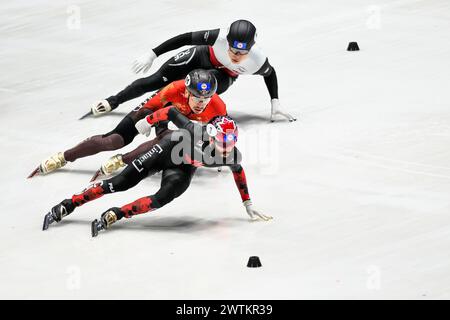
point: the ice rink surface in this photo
(359, 187)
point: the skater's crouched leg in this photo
(147, 146)
(127, 179)
(125, 129)
(138, 88)
(94, 145)
(120, 136)
(175, 182)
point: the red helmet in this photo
(224, 131)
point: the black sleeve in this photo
(270, 78)
(266, 69)
(272, 84)
(206, 37)
(182, 122)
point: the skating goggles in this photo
(225, 142)
(220, 137)
(239, 52)
(227, 138)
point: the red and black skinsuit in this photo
(125, 132)
(177, 166)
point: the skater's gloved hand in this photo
(144, 127)
(144, 62)
(101, 108)
(255, 215)
(277, 111)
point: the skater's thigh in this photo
(156, 156)
(126, 129)
(177, 179)
(126, 179)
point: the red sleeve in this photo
(241, 181)
(159, 115)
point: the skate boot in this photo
(101, 107)
(113, 164)
(52, 163)
(58, 212)
(106, 220)
(109, 167)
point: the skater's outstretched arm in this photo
(271, 81)
(270, 78)
(241, 183)
(205, 37)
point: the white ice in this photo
(359, 190)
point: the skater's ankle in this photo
(69, 205)
(119, 214)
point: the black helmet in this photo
(201, 83)
(241, 35)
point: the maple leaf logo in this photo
(227, 125)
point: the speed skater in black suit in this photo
(177, 154)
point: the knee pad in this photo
(125, 129)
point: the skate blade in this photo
(32, 174)
(94, 230)
(47, 221)
(97, 174)
(86, 115)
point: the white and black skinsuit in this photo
(209, 52)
